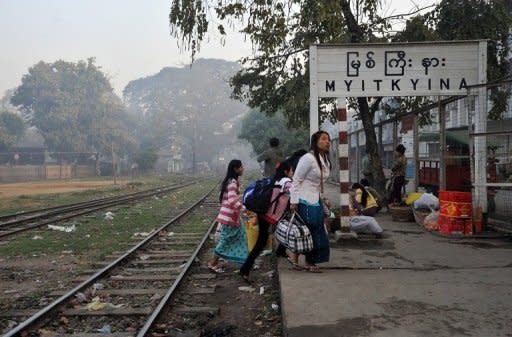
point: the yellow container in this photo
(251, 227)
(412, 197)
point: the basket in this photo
(401, 213)
(420, 215)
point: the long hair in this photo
(293, 160)
(364, 196)
(400, 149)
(316, 151)
(230, 174)
(365, 182)
(281, 169)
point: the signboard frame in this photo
(477, 76)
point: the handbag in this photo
(294, 234)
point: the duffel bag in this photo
(294, 235)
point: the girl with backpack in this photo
(232, 245)
(278, 205)
(311, 173)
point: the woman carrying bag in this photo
(280, 198)
(306, 197)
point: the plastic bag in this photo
(412, 197)
(252, 230)
(430, 221)
(427, 200)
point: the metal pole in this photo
(194, 147)
(442, 145)
(313, 91)
(395, 134)
(480, 143)
(358, 145)
(416, 149)
(113, 165)
(381, 143)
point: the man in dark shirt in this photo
(398, 172)
(271, 157)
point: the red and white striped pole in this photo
(343, 161)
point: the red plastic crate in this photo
(460, 196)
(444, 196)
(468, 228)
(451, 225)
(444, 228)
(455, 209)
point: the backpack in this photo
(258, 195)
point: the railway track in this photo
(130, 292)
(17, 223)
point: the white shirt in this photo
(306, 179)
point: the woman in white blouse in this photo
(311, 173)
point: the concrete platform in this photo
(410, 283)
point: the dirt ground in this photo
(19, 277)
(246, 310)
(47, 187)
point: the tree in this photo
(276, 77)
(12, 128)
(74, 107)
(481, 19)
(257, 129)
(187, 110)
(470, 20)
(146, 157)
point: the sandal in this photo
(312, 268)
(295, 265)
(215, 269)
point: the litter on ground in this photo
(67, 229)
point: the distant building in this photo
(29, 150)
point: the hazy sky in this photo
(130, 39)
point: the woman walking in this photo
(232, 245)
(279, 204)
(312, 171)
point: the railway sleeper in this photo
(126, 278)
(82, 334)
(119, 292)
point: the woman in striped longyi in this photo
(232, 245)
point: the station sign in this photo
(396, 69)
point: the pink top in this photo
(276, 210)
(229, 213)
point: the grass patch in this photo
(30, 202)
(95, 237)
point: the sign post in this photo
(395, 69)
